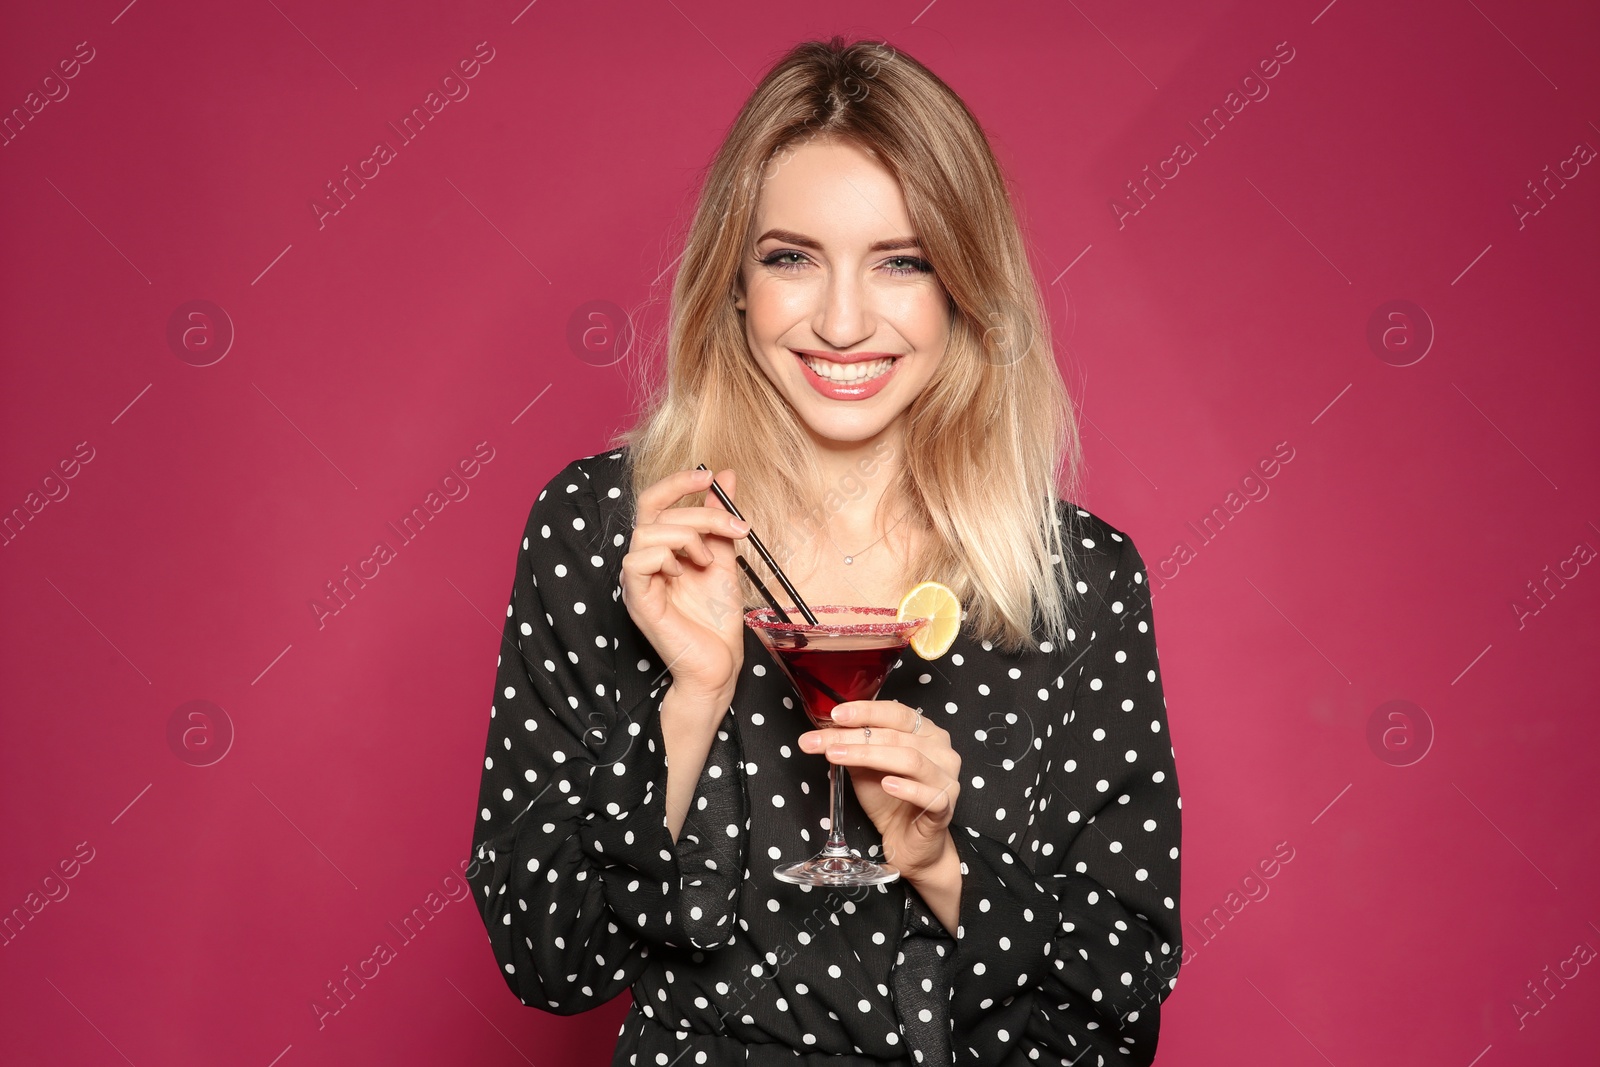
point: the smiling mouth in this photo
(847, 373)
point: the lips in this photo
(846, 390)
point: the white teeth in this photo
(847, 373)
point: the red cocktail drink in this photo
(845, 657)
(823, 674)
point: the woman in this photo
(857, 341)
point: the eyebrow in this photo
(790, 237)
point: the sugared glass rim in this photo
(767, 619)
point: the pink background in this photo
(432, 313)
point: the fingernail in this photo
(741, 526)
(810, 741)
(842, 714)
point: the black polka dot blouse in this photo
(1067, 828)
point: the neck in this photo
(856, 475)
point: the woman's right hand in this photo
(688, 606)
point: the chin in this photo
(848, 430)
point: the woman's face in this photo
(832, 273)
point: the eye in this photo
(914, 265)
(775, 259)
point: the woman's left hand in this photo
(907, 783)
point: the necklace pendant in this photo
(849, 559)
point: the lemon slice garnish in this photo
(940, 607)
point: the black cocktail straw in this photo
(788, 586)
(766, 594)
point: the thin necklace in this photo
(851, 558)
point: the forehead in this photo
(832, 191)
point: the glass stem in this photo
(836, 782)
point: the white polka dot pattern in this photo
(1055, 928)
(1067, 829)
(572, 841)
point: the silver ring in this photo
(916, 724)
(867, 733)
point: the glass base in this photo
(825, 870)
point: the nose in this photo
(844, 315)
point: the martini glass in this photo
(844, 657)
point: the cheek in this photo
(763, 342)
(923, 318)
(772, 310)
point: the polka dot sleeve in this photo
(1070, 943)
(577, 874)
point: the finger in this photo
(937, 802)
(674, 537)
(936, 749)
(726, 524)
(899, 760)
(887, 714)
(668, 491)
(710, 520)
(932, 752)
(639, 567)
(727, 483)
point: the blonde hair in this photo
(992, 439)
